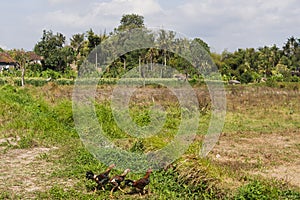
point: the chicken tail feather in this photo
(129, 182)
(89, 175)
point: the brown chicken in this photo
(141, 183)
(101, 179)
(117, 180)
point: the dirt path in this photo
(24, 171)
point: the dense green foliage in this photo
(250, 65)
(56, 56)
(244, 65)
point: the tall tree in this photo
(264, 64)
(151, 56)
(203, 44)
(93, 39)
(291, 50)
(165, 40)
(22, 58)
(51, 47)
(275, 55)
(130, 21)
(77, 42)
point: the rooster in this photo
(117, 180)
(100, 179)
(141, 183)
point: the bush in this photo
(278, 78)
(69, 74)
(271, 83)
(64, 81)
(33, 70)
(51, 74)
(259, 190)
(246, 77)
(294, 79)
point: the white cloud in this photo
(117, 7)
(56, 2)
(232, 23)
(223, 24)
(100, 15)
(3, 47)
(80, 16)
(62, 18)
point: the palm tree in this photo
(151, 55)
(264, 56)
(290, 47)
(77, 42)
(165, 41)
(292, 51)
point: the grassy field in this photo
(257, 156)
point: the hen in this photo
(141, 183)
(117, 180)
(100, 179)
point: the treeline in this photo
(253, 65)
(64, 59)
(59, 57)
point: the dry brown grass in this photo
(262, 133)
(261, 137)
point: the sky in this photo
(223, 24)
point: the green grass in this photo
(40, 123)
(35, 122)
(257, 189)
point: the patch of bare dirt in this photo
(9, 141)
(272, 155)
(288, 173)
(23, 171)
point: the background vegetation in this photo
(62, 59)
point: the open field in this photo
(257, 156)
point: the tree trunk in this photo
(23, 76)
(165, 64)
(139, 64)
(96, 64)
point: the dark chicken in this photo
(141, 183)
(100, 179)
(117, 180)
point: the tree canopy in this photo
(131, 21)
(56, 55)
(245, 65)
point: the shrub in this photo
(51, 74)
(259, 190)
(271, 83)
(64, 81)
(246, 77)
